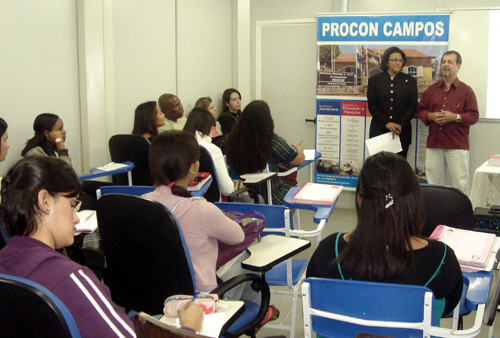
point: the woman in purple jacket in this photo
(39, 204)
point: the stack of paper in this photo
(473, 249)
(315, 193)
(494, 161)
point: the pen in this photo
(301, 142)
(89, 216)
(196, 294)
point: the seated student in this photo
(173, 159)
(199, 124)
(171, 106)
(208, 104)
(49, 140)
(39, 204)
(386, 245)
(39, 200)
(231, 110)
(148, 117)
(252, 144)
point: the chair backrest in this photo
(30, 310)
(146, 256)
(207, 165)
(136, 190)
(343, 308)
(133, 148)
(279, 218)
(448, 206)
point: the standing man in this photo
(449, 108)
(171, 106)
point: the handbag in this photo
(252, 223)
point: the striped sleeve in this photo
(93, 310)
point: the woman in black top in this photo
(392, 98)
(148, 117)
(231, 110)
(386, 245)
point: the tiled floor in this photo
(345, 220)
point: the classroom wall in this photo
(93, 62)
(38, 70)
(483, 142)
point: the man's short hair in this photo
(457, 54)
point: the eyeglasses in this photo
(77, 206)
(396, 60)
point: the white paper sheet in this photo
(384, 142)
(309, 154)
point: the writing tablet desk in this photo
(257, 178)
(321, 215)
(272, 250)
(232, 310)
(94, 172)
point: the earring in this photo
(191, 172)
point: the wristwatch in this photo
(458, 119)
(57, 140)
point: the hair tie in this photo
(389, 200)
(171, 184)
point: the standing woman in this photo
(392, 99)
(231, 109)
(208, 104)
(49, 138)
(148, 117)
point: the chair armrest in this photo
(251, 192)
(259, 284)
(288, 172)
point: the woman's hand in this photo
(191, 316)
(57, 135)
(394, 128)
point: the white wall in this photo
(204, 47)
(144, 55)
(38, 71)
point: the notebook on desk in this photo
(318, 194)
(473, 249)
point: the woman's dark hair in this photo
(20, 187)
(3, 126)
(145, 119)
(248, 147)
(384, 65)
(390, 211)
(45, 121)
(226, 96)
(199, 119)
(170, 155)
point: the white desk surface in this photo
(485, 187)
(228, 307)
(256, 178)
(272, 250)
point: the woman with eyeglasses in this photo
(392, 98)
(39, 204)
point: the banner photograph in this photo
(349, 53)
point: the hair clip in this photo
(389, 200)
(171, 184)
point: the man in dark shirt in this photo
(449, 108)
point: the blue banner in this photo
(393, 28)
